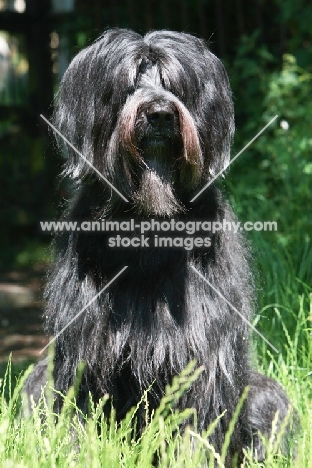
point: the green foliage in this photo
(272, 177)
(296, 17)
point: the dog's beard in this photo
(156, 194)
(156, 197)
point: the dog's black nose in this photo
(161, 118)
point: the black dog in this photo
(154, 116)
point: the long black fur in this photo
(154, 115)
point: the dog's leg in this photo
(35, 385)
(266, 398)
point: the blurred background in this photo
(266, 46)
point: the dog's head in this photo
(153, 114)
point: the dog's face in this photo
(153, 114)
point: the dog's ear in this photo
(219, 115)
(198, 78)
(91, 94)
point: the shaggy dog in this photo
(154, 116)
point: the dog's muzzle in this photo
(155, 117)
(157, 129)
